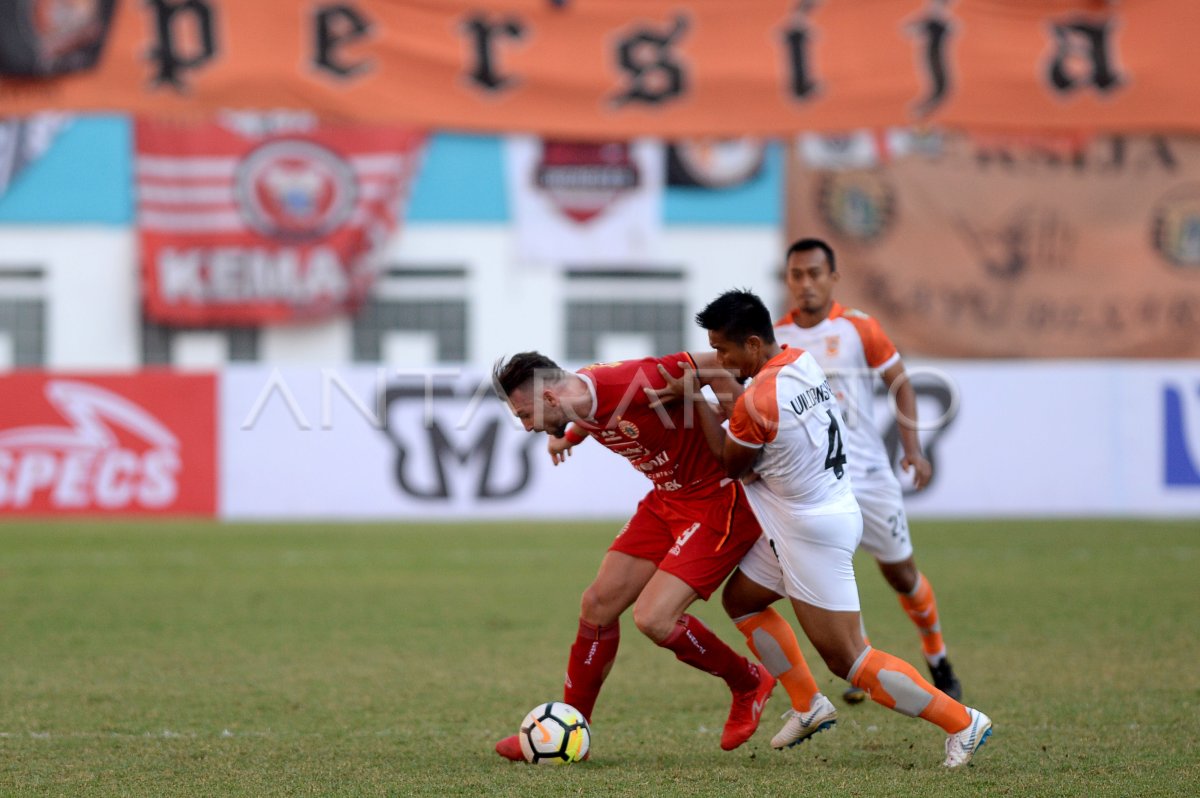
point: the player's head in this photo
(529, 382)
(810, 275)
(740, 331)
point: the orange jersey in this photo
(851, 347)
(789, 411)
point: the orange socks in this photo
(921, 607)
(773, 641)
(897, 685)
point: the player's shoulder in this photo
(853, 314)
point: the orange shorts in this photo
(700, 541)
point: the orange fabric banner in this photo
(1003, 247)
(618, 68)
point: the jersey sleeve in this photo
(755, 418)
(879, 350)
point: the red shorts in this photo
(700, 541)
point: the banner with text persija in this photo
(1044, 247)
(607, 69)
(261, 218)
(106, 444)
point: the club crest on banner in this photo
(858, 205)
(586, 203)
(583, 179)
(1176, 227)
(295, 189)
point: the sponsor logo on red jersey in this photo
(123, 445)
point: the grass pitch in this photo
(203, 660)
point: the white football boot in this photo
(802, 725)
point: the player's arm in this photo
(700, 371)
(899, 385)
(736, 458)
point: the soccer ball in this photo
(554, 733)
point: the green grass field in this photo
(203, 660)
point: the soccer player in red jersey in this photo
(688, 533)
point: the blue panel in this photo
(85, 177)
(461, 180)
(759, 201)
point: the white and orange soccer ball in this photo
(554, 733)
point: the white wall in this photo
(91, 288)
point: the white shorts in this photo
(804, 556)
(885, 528)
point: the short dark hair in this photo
(737, 315)
(512, 374)
(807, 244)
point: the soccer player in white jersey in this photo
(852, 348)
(787, 430)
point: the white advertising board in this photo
(309, 443)
(1018, 439)
(1051, 438)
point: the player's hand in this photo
(683, 387)
(559, 448)
(921, 469)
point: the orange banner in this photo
(615, 68)
(1002, 247)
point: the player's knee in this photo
(737, 604)
(599, 608)
(653, 623)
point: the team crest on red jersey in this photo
(628, 429)
(584, 178)
(295, 189)
(833, 344)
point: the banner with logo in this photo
(261, 218)
(363, 443)
(1012, 247)
(140, 444)
(618, 70)
(1005, 439)
(585, 203)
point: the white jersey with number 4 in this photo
(789, 412)
(852, 348)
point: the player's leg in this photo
(886, 537)
(617, 584)
(747, 598)
(699, 561)
(660, 614)
(819, 573)
(626, 567)
(916, 597)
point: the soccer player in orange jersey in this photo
(852, 348)
(788, 431)
(687, 535)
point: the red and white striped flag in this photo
(263, 218)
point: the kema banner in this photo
(260, 218)
(606, 68)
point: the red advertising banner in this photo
(142, 444)
(611, 69)
(261, 218)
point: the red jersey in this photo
(675, 457)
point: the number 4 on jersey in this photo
(836, 458)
